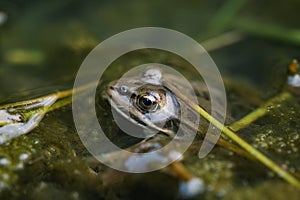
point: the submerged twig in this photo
(62, 98)
(181, 171)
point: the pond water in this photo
(42, 45)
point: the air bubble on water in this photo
(75, 195)
(76, 172)
(2, 185)
(229, 165)
(294, 136)
(230, 153)
(268, 132)
(263, 145)
(262, 137)
(209, 188)
(295, 149)
(281, 144)
(272, 139)
(279, 138)
(292, 169)
(278, 105)
(211, 156)
(278, 150)
(5, 176)
(293, 112)
(221, 193)
(20, 166)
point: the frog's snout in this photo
(110, 88)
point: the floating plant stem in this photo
(222, 40)
(20, 118)
(242, 143)
(62, 98)
(224, 16)
(259, 112)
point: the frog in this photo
(147, 103)
(148, 107)
(152, 108)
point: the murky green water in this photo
(42, 47)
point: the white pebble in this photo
(191, 188)
(3, 18)
(23, 156)
(4, 161)
(294, 80)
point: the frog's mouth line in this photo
(134, 116)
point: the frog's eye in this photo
(147, 103)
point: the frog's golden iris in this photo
(147, 103)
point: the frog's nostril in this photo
(123, 90)
(111, 87)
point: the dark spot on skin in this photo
(138, 120)
(206, 95)
(133, 95)
(112, 88)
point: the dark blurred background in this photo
(42, 44)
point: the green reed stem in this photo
(63, 98)
(268, 31)
(243, 144)
(259, 112)
(224, 16)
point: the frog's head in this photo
(143, 98)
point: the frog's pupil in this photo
(146, 101)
